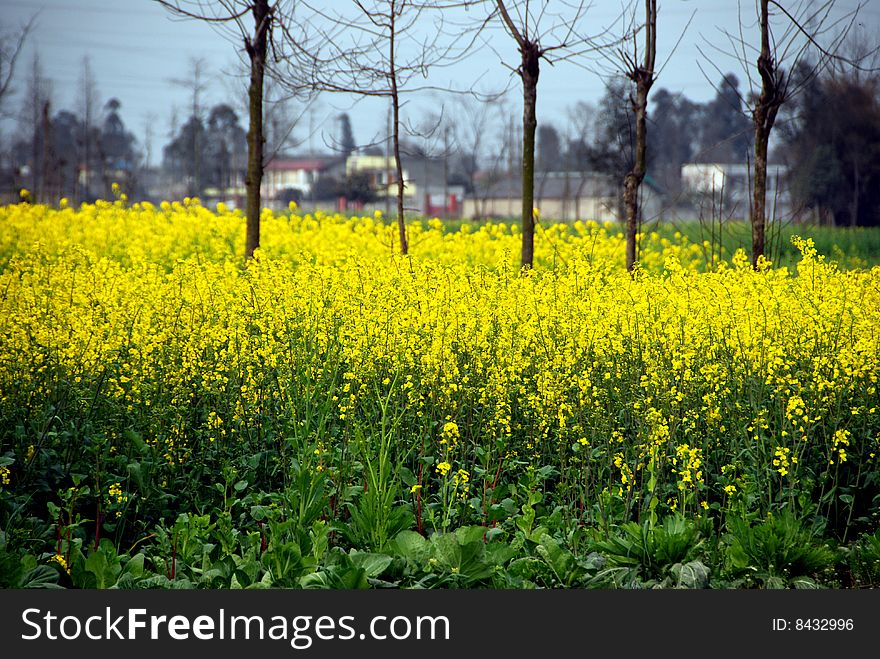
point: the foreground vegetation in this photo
(335, 415)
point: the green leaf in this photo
(135, 566)
(545, 472)
(467, 560)
(691, 575)
(805, 583)
(493, 533)
(285, 562)
(407, 477)
(336, 578)
(11, 570)
(527, 567)
(466, 534)
(508, 505)
(137, 442)
(106, 570)
(499, 553)
(774, 583)
(155, 581)
(524, 522)
(559, 559)
(315, 581)
(242, 578)
(593, 562)
(409, 545)
(372, 564)
(42, 576)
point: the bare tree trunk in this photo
(643, 76)
(395, 137)
(401, 184)
(256, 50)
(760, 183)
(528, 42)
(763, 118)
(636, 175)
(529, 72)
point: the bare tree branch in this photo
(257, 43)
(380, 49)
(9, 56)
(531, 31)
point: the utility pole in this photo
(445, 171)
(197, 85)
(151, 120)
(43, 195)
(388, 165)
(311, 129)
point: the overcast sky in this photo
(136, 50)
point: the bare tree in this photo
(36, 98)
(229, 16)
(11, 45)
(196, 85)
(380, 50)
(281, 115)
(579, 135)
(89, 102)
(788, 36)
(642, 75)
(532, 26)
(470, 137)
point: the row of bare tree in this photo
(366, 48)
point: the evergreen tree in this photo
(346, 137)
(726, 131)
(832, 148)
(117, 149)
(549, 149)
(225, 148)
(180, 158)
(674, 139)
(117, 143)
(613, 149)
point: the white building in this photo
(426, 191)
(294, 177)
(561, 196)
(732, 183)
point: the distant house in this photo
(292, 178)
(731, 184)
(320, 181)
(561, 196)
(426, 190)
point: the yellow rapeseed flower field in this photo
(727, 388)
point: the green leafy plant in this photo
(864, 561)
(640, 554)
(378, 511)
(777, 552)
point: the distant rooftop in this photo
(305, 162)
